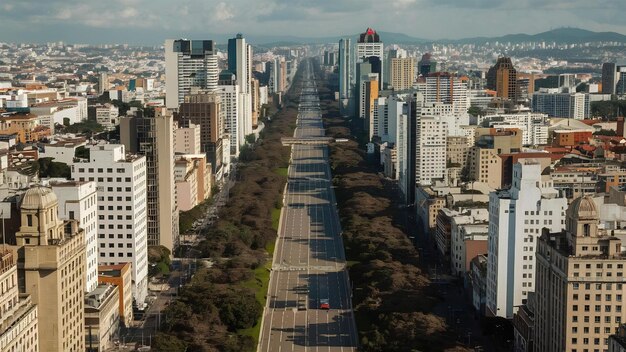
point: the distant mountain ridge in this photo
(559, 35)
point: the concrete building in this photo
(107, 115)
(52, 265)
(102, 318)
(457, 150)
(468, 238)
(557, 104)
(203, 110)
(369, 48)
(502, 77)
(484, 163)
(187, 139)
(534, 126)
(193, 181)
(240, 64)
(406, 150)
(516, 219)
(153, 137)
(402, 73)
(430, 158)
(122, 209)
(609, 77)
(231, 108)
(445, 88)
(189, 63)
(427, 65)
(62, 150)
(79, 201)
(19, 322)
(120, 275)
(428, 203)
(580, 284)
(26, 126)
(617, 341)
(346, 69)
(478, 281)
(103, 83)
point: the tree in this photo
(167, 342)
(475, 111)
(49, 168)
(82, 152)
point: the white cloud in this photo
(224, 12)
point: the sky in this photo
(150, 21)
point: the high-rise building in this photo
(187, 139)
(79, 201)
(153, 137)
(240, 64)
(52, 254)
(484, 162)
(345, 74)
(103, 83)
(402, 73)
(427, 65)
(189, 63)
(204, 110)
(370, 49)
(406, 146)
(447, 89)
(430, 159)
(19, 323)
(609, 80)
(516, 219)
(556, 104)
(580, 288)
(122, 210)
(255, 96)
(231, 107)
(502, 77)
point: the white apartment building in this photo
(447, 90)
(108, 116)
(448, 113)
(78, 200)
(431, 149)
(534, 126)
(122, 218)
(189, 63)
(187, 139)
(388, 125)
(516, 219)
(231, 106)
(557, 104)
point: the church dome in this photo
(584, 208)
(39, 197)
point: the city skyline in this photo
(140, 21)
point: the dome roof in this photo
(584, 208)
(39, 197)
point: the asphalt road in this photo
(309, 260)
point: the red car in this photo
(324, 304)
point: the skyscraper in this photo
(516, 219)
(430, 159)
(189, 63)
(345, 74)
(240, 64)
(370, 49)
(427, 65)
(402, 73)
(52, 268)
(502, 77)
(609, 80)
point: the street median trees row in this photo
(392, 297)
(220, 310)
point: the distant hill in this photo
(559, 35)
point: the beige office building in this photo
(484, 162)
(402, 73)
(580, 285)
(52, 259)
(18, 320)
